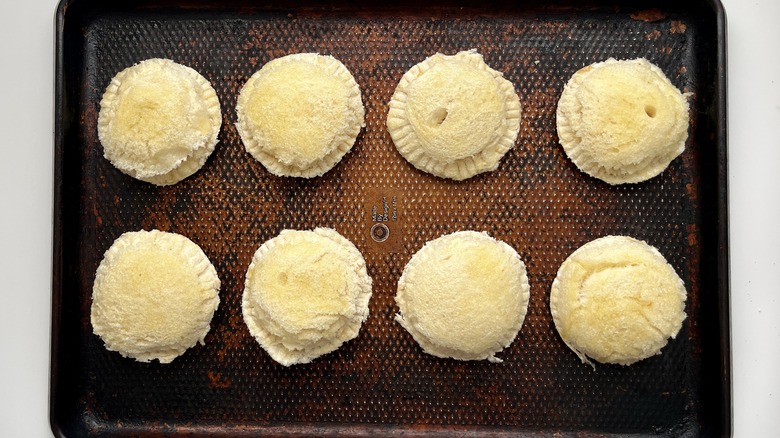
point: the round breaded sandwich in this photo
(154, 296)
(463, 296)
(622, 121)
(306, 293)
(159, 121)
(454, 116)
(300, 114)
(616, 300)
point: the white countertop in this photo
(26, 122)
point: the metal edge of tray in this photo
(721, 395)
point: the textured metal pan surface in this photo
(537, 201)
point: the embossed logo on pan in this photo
(379, 232)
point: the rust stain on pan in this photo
(217, 381)
(649, 15)
(677, 27)
(653, 35)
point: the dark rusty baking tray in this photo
(537, 201)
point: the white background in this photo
(26, 125)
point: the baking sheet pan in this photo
(537, 201)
